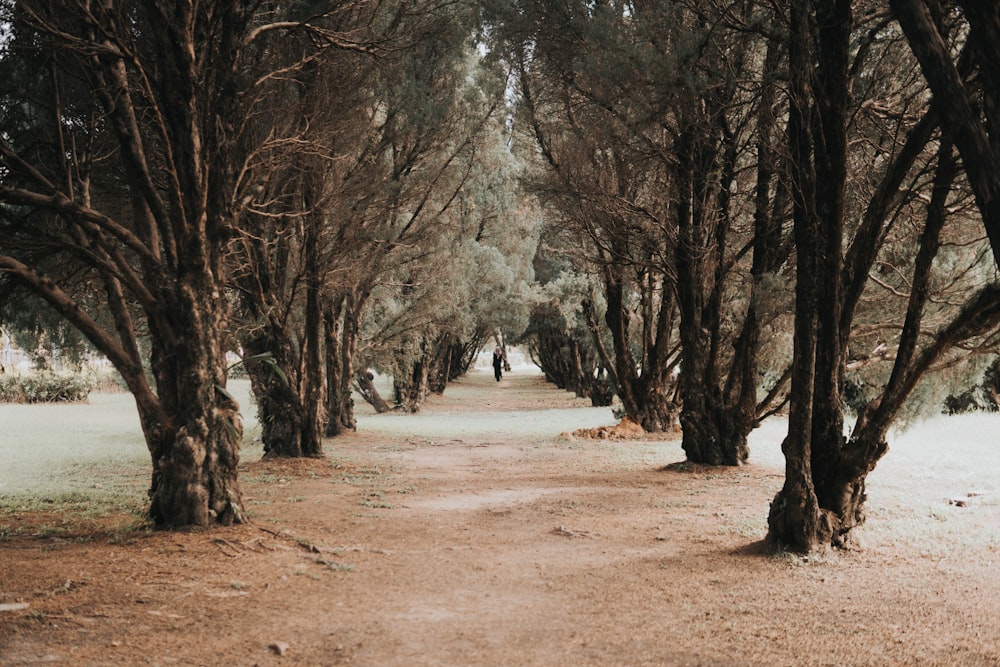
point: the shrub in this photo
(46, 387)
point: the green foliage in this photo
(980, 397)
(47, 387)
(238, 369)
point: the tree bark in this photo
(162, 264)
(411, 386)
(954, 101)
(794, 516)
(278, 408)
(648, 398)
(195, 451)
(368, 391)
(342, 324)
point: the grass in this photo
(81, 462)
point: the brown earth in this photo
(505, 548)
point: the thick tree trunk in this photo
(711, 433)
(440, 366)
(289, 402)
(715, 426)
(707, 422)
(794, 516)
(195, 466)
(411, 388)
(822, 500)
(166, 257)
(290, 427)
(195, 452)
(279, 410)
(657, 413)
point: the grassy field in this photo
(90, 457)
(89, 453)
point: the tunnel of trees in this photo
(707, 212)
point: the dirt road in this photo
(476, 534)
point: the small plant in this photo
(376, 500)
(335, 566)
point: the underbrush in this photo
(47, 387)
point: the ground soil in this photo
(506, 546)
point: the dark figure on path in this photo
(497, 363)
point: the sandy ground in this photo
(478, 533)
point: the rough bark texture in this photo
(341, 326)
(822, 501)
(794, 516)
(195, 453)
(411, 387)
(959, 111)
(290, 424)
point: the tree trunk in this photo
(711, 433)
(411, 388)
(440, 365)
(368, 391)
(288, 386)
(195, 466)
(806, 513)
(278, 409)
(312, 380)
(464, 353)
(195, 452)
(342, 324)
(569, 365)
(960, 113)
(648, 398)
(290, 426)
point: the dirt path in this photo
(474, 534)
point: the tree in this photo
(600, 186)
(298, 125)
(561, 342)
(822, 500)
(432, 212)
(401, 178)
(637, 112)
(151, 119)
(466, 280)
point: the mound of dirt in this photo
(626, 429)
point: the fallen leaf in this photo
(281, 648)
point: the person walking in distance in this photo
(498, 363)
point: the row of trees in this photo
(749, 206)
(181, 180)
(765, 207)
